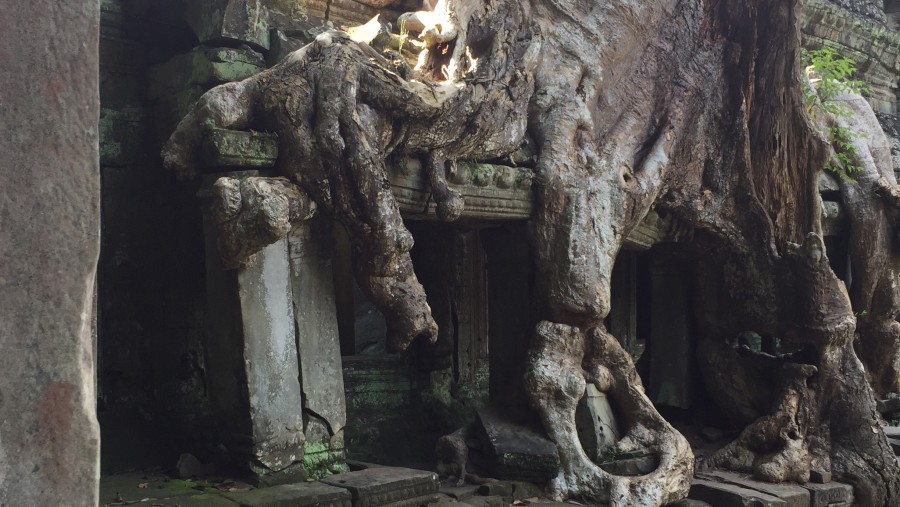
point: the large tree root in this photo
(556, 380)
(252, 213)
(822, 415)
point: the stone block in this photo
(833, 493)
(515, 446)
(792, 494)
(204, 67)
(306, 494)
(171, 109)
(241, 21)
(630, 466)
(388, 486)
(729, 495)
(820, 476)
(510, 490)
(264, 476)
(233, 148)
(888, 406)
(123, 136)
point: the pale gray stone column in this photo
(252, 368)
(311, 246)
(49, 243)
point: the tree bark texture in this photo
(691, 107)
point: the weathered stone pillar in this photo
(311, 246)
(252, 368)
(671, 344)
(49, 243)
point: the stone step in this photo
(833, 494)
(388, 486)
(895, 444)
(792, 494)
(721, 494)
(461, 493)
(891, 431)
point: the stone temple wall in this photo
(870, 9)
(157, 58)
(150, 279)
(154, 374)
(855, 30)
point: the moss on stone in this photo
(320, 460)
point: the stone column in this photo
(252, 368)
(311, 246)
(671, 345)
(49, 243)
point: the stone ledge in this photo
(491, 192)
(224, 149)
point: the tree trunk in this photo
(693, 107)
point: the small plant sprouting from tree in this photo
(833, 76)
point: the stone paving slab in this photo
(386, 486)
(895, 444)
(136, 486)
(304, 494)
(792, 494)
(460, 492)
(891, 431)
(729, 495)
(196, 500)
(414, 502)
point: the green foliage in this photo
(834, 76)
(843, 163)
